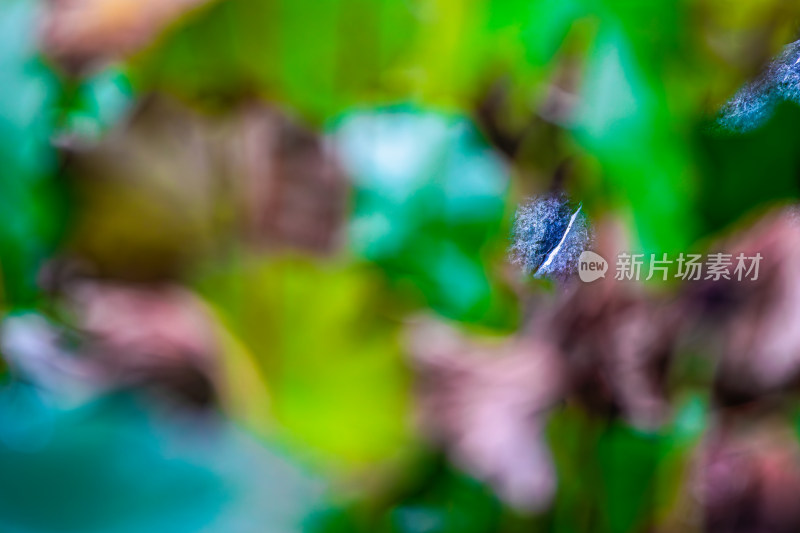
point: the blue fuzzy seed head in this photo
(549, 235)
(754, 104)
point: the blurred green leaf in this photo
(331, 362)
(429, 198)
(316, 57)
(614, 478)
(446, 502)
(624, 121)
(743, 171)
(29, 212)
(100, 103)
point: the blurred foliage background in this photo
(255, 275)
